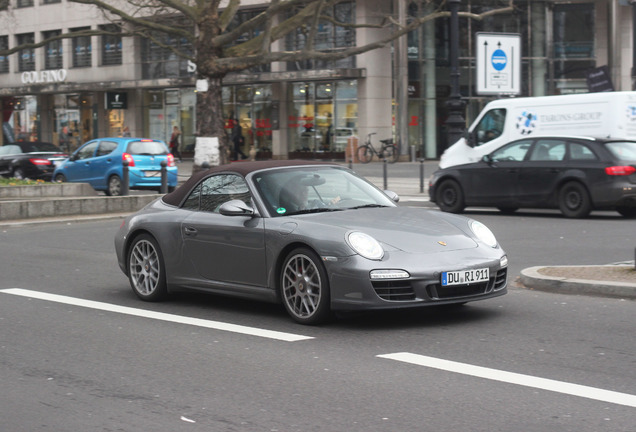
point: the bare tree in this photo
(217, 43)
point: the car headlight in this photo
(483, 233)
(365, 245)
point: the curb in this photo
(532, 279)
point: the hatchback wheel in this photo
(114, 186)
(304, 287)
(59, 178)
(450, 197)
(146, 270)
(574, 201)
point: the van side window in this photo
(490, 126)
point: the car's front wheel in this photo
(574, 201)
(304, 287)
(114, 186)
(59, 178)
(450, 197)
(146, 270)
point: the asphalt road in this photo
(98, 359)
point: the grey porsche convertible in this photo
(313, 236)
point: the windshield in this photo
(623, 150)
(147, 148)
(316, 189)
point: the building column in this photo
(375, 100)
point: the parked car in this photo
(100, 163)
(574, 174)
(27, 159)
(313, 236)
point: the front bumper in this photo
(353, 289)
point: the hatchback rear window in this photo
(147, 148)
(623, 150)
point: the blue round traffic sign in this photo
(499, 60)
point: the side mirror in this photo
(487, 159)
(392, 195)
(471, 139)
(236, 208)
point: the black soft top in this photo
(242, 168)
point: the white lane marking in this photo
(515, 378)
(217, 325)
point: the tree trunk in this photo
(210, 118)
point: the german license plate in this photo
(152, 173)
(464, 276)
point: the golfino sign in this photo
(47, 76)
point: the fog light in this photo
(503, 261)
(389, 274)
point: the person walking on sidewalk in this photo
(174, 143)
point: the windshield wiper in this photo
(316, 210)
(366, 206)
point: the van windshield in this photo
(490, 126)
(623, 150)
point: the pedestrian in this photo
(174, 143)
(238, 140)
(125, 132)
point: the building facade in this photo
(76, 89)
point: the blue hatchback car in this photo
(100, 163)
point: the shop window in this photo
(52, 51)
(4, 60)
(322, 119)
(111, 45)
(82, 49)
(26, 57)
(330, 38)
(45, 2)
(24, 3)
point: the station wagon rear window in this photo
(623, 150)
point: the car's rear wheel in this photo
(59, 178)
(628, 212)
(450, 197)
(146, 270)
(114, 186)
(304, 287)
(19, 173)
(574, 201)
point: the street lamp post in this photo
(455, 122)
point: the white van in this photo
(597, 115)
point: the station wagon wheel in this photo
(450, 197)
(114, 186)
(59, 178)
(574, 201)
(146, 270)
(304, 287)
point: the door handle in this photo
(189, 231)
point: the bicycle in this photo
(389, 151)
